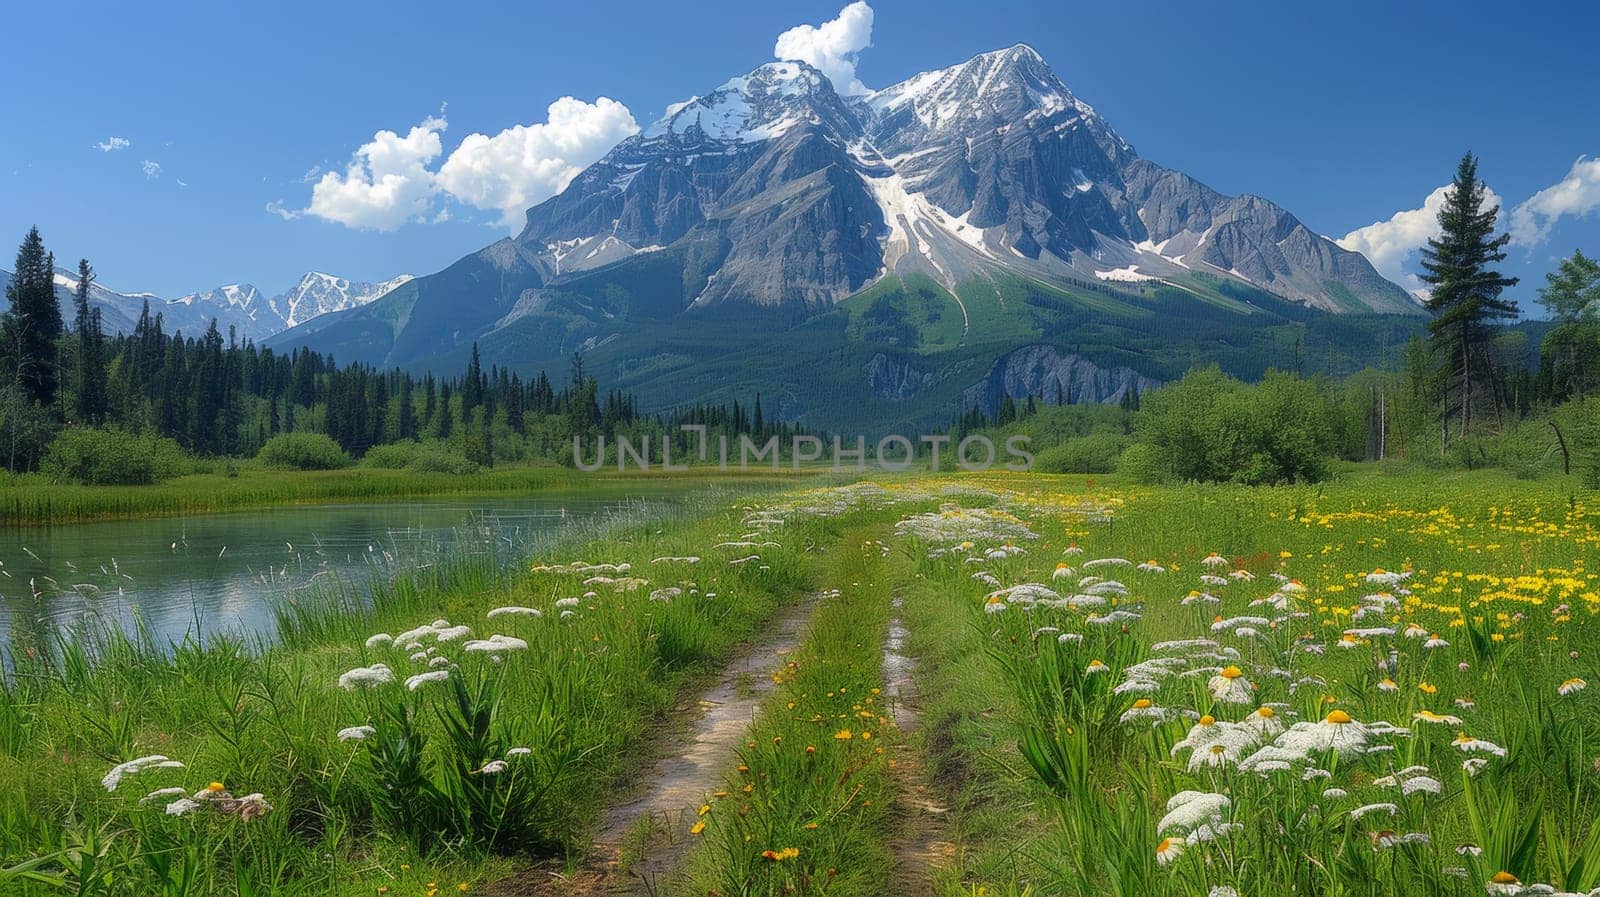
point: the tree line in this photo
(216, 395)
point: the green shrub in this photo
(111, 457)
(1141, 463)
(422, 457)
(1209, 427)
(1095, 453)
(394, 456)
(434, 459)
(303, 451)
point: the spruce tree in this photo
(1465, 298)
(32, 324)
(1572, 348)
(91, 403)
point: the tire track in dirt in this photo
(921, 847)
(644, 838)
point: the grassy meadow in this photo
(1374, 685)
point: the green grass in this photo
(1493, 562)
(806, 809)
(583, 694)
(33, 501)
(1051, 791)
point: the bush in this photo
(394, 456)
(111, 457)
(1141, 463)
(1095, 453)
(1209, 427)
(303, 451)
(433, 459)
(421, 457)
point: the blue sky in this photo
(1345, 117)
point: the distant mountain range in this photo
(884, 258)
(238, 305)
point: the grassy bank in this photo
(376, 779)
(30, 501)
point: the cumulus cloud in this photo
(392, 179)
(526, 164)
(152, 170)
(387, 181)
(832, 46)
(112, 144)
(1576, 194)
(1391, 245)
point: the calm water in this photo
(224, 573)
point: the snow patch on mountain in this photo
(318, 294)
(746, 109)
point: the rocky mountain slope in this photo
(771, 200)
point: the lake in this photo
(225, 573)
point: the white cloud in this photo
(112, 144)
(387, 182)
(526, 164)
(1391, 245)
(1576, 194)
(276, 207)
(832, 46)
(152, 170)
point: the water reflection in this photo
(226, 573)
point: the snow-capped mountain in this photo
(239, 305)
(787, 192)
(773, 194)
(318, 294)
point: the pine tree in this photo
(406, 417)
(1008, 411)
(471, 386)
(91, 404)
(33, 322)
(1571, 351)
(1465, 299)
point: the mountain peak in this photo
(242, 296)
(319, 293)
(769, 101)
(983, 94)
(1017, 52)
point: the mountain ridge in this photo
(238, 305)
(771, 199)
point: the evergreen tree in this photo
(30, 327)
(1465, 298)
(91, 404)
(1008, 411)
(406, 414)
(472, 386)
(1571, 351)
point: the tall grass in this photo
(806, 810)
(352, 816)
(1087, 773)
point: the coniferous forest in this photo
(88, 406)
